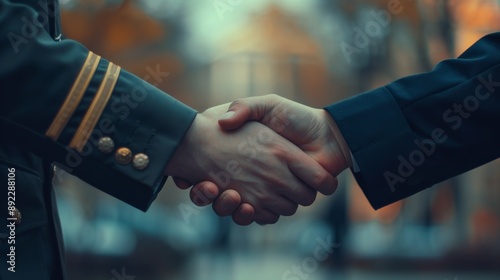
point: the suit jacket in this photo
(423, 129)
(61, 103)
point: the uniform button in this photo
(140, 161)
(17, 215)
(106, 145)
(123, 156)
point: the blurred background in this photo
(315, 52)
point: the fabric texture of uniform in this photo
(48, 115)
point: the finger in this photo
(311, 173)
(227, 203)
(181, 183)
(244, 215)
(242, 110)
(264, 217)
(290, 210)
(283, 206)
(204, 193)
(286, 182)
(298, 192)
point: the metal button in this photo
(106, 145)
(123, 155)
(140, 161)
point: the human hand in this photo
(263, 175)
(312, 130)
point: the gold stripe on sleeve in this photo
(74, 96)
(96, 108)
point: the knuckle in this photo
(273, 183)
(280, 151)
(236, 103)
(321, 179)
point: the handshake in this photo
(259, 158)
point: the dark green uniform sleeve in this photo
(423, 129)
(68, 105)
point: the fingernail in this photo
(227, 115)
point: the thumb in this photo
(243, 110)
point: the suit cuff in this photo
(378, 134)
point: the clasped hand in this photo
(259, 158)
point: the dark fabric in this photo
(36, 74)
(423, 129)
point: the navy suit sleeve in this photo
(423, 129)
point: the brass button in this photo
(140, 161)
(17, 215)
(106, 145)
(123, 155)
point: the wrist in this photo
(336, 136)
(183, 159)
